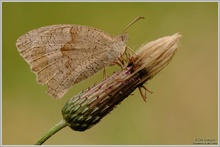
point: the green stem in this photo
(51, 132)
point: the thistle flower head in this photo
(90, 106)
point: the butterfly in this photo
(65, 54)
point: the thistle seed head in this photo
(90, 106)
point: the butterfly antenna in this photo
(136, 19)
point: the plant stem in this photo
(51, 132)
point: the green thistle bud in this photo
(89, 107)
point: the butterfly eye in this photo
(124, 37)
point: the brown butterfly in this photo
(63, 55)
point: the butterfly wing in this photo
(63, 55)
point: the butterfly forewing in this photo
(63, 55)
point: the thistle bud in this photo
(89, 107)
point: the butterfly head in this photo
(124, 37)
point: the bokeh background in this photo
(183, 108)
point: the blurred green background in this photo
(183, 107)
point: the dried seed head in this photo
(155, 55)
(87, 108)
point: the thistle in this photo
(88, 107)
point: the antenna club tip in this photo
(141, 17)
(136, 19)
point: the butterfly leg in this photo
(118, 62)
(130, 49)
(104, 73)
(143, 94)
